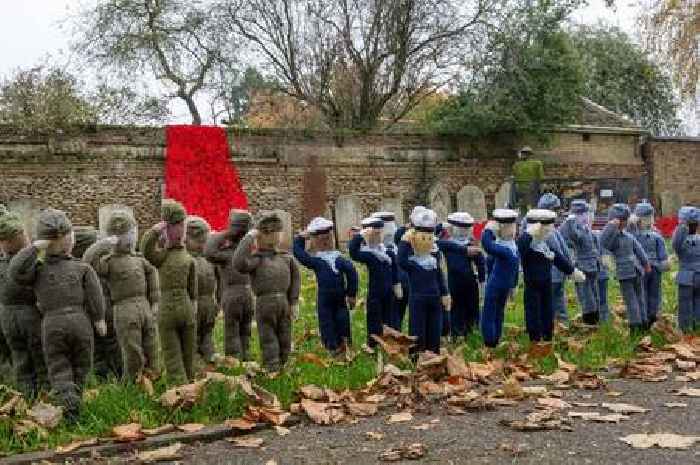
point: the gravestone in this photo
(348, 213)
(471, 199)
(393, 204)
(287, 231)
(106, 211)
(29, 210)
(504, 195)
(670, 203)
(439, 201)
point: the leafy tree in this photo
(528, 80)
(236, 94)
(619, 75)
(179, 41)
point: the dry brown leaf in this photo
(250, 442)
(413, 451)
(585, 404)
(683, 351)
(422, 427)
(401, 417)
(90, 394)
(548, 402)
(614, 393)
(171, 452)
(587, 381)
(22, 428)
(310, 357)
(512, 389)
(164, 429)
(361, 409)
(539, 421)
(226, 361)
(374, 436)
(128, 433)
(597, 417)
(688, 392)
(375, 398)
(558, 377)
(281, 430)
(240, 424)
(662, 440)
(322, 413)
(535, 391)
(623, 408)
(190, 427)
(313, 392)
(147, 385)
(184, 396)
(675, 405)
(15, 406)
(46, 415)
(75, 445)
(685, 365)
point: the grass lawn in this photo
(118, 403)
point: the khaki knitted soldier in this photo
(133, 287)
(107, 357)
(70, 300)
(276, 282)
(207, 277)
(236, 295)
(20, 318)
(163, 246)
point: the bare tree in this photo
(359, 61)
(179, 41)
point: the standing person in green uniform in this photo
(164, 246)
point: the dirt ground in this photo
(478, 438)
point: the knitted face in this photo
(422, 242)
(14, 245)
(507, 231)
(460, 233)
(63, 245)
(374, 236)
(547, 229)
(584, 219)
(269, 240)
(175, 234)
(322, 242)
(196, 243)
(126, 243)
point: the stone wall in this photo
(674, 165)
(302, 173)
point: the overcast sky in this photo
(30, 31)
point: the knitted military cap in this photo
(619, 211)
(53, 224)
(685, 212)
(120, 222)
(240, 217)
(694, 216)
(172, 211)
(85, 236)
(10, 225)
(644, 209)
(269, 223)
(548, 201)
(197, 227)
(579, 206)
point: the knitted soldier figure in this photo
(368, 247)
(537, 260)
(498, 242)
(429, 294)
(400, 289)
(135, 292)
(108, 355)
(207, 277)
(236, 296)
(631, 263)
(606, 263)
(70, 300)
(164, 246)
(641, 225)
(336, 281)
(20, 318)
(465, 283)
(686, 244)
(578, 232)
(276, 283)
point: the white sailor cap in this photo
(373, 222)
(425, 220)
(540, 215)
(505, 215)
(385, 216)
(416, 211)
(319, 225)
(461, 219)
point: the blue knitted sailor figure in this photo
(537, 261)
(606, 263)
(368, 248)
(400, 300)
(686, 244)
(336, 280)
(498, 242)
(641, 225)
(631, 263)
(429, 294)
(466, 273)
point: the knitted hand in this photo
(398, 291)
(579, 276)
(493, 226)
(535, 230)
(447, 302)
(101, 328)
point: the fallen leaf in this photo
(127, 433)
(675, 405)
(309, 357)
(375, 398)
(15, 406)
(682, 350)
(597, 417)
(90, 394)
(539, 421)
(322, 413)
(313, 392)
(512, 389)
(688, 392)
(624, 408)
(167, 428)
(271, 462)
(685, 365)
(171, 452)
(361, 409)
(553, 403)
(662, 440)
(147, 385)
(558, 377)
(184, 396)
(282, 431)
(374, 436)
(614, 393)
(75, 445)
(46, 415)
(240, 424)
(23, 427)
(534, 391)
(411, 452)
(585, 404)
(190, 427)
(251, 443)
(400, 417)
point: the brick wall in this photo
(674, 165)
(300, 172)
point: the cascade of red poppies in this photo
(200, 174)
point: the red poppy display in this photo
(666, 225)
(199, 173)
